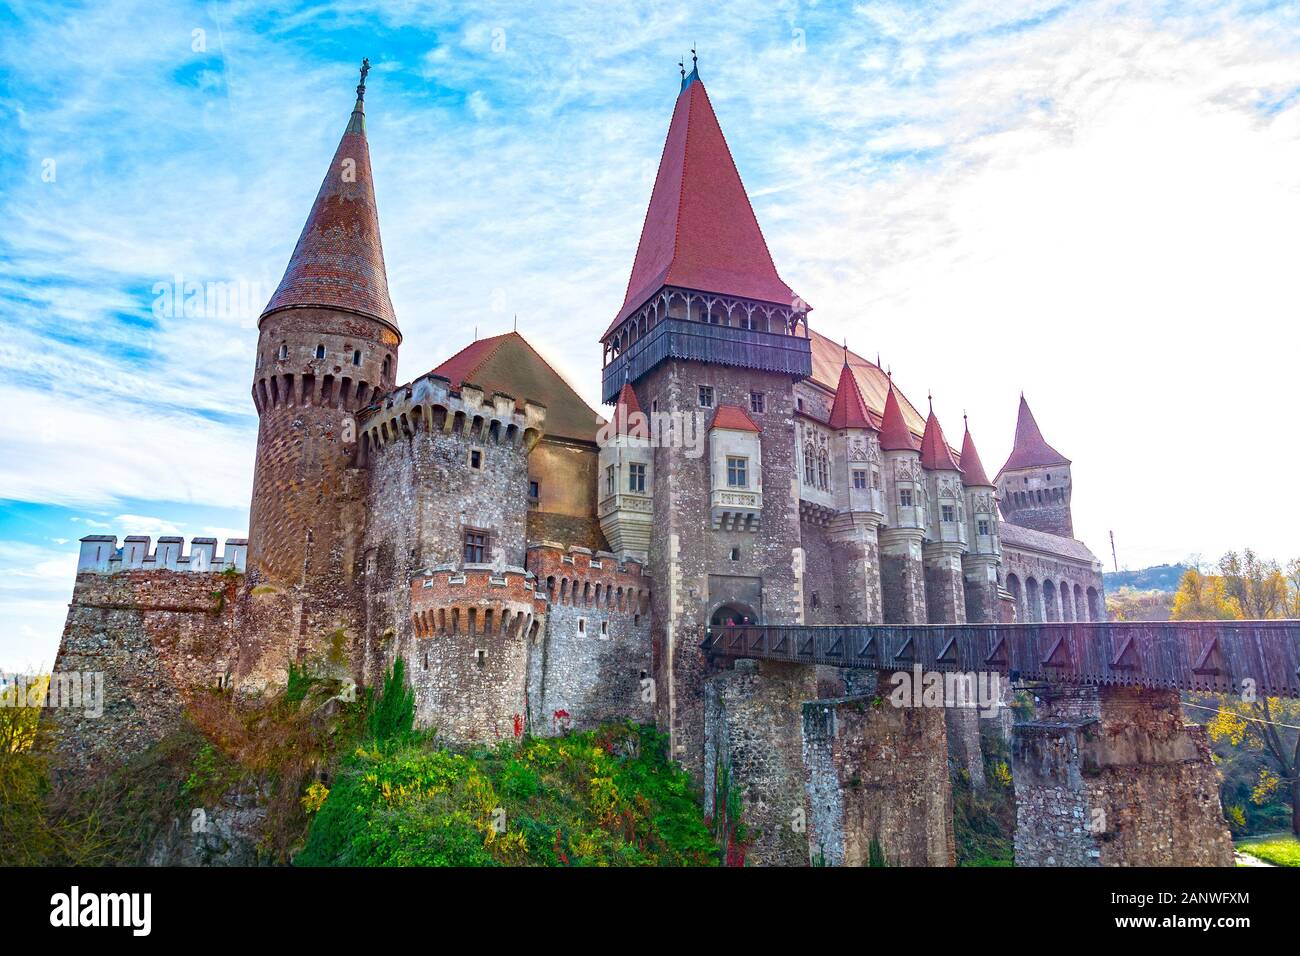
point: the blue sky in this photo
(1095, 202)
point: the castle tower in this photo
(1034, 486)
(981, 561)
(706, 323)
(327, 347)
(902, 573)
(859, 502)
(946, 528)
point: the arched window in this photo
(1013, 585)
(356, 357)
(320, 351)
(387, 369)
(284, 351)
(823, 471)
(808, 455)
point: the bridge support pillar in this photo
(945, 594)
(1111, 776)
(753, 752)
(855, 545)
(877, 774)
(902, 576)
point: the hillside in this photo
(1161, 577)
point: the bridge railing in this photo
(1223, 657)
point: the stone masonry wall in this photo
(155, 637)
(1112, 777)
(753, 746)
(593, 661)
(875, 771)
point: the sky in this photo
(1093, 202)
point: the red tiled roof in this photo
(339, 260)
(624, 406)
(894, 433)
(935, 453)
(850, 408)
(971, 466)
(734, 417)
(508, 363)
(1030, 450)
(700, 231)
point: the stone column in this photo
(854, 541)
(902, 576)
(946, 602)
(1111, 776)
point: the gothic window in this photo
(947, 513)
(809, 455)
(636, 478)
(756, 402)
(905, 497)
(737, 472)
(860, 480)
(706, 396)
(823, 470)
(475, 546)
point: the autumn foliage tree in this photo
(1248, 587)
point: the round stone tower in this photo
(327, 348)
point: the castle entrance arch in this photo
(732, 614)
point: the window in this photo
(737, 472)
(534, 491)
(798, 404)
(356, 357)
(475, 546)
(809, 455)
(947, 513)
(823, 471)
(604, 630)
(735, 554)
(982, 526)
(609, 480)
(875, 478)
(756, 402)
(905, 497)
(636, 477)
(815, 601)
(320, 351)
(706, 396)
(284, 352)
(859, 480)
(475, 458)
(480, 657)
(582, 625)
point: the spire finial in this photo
(682, 64)
(361, 87)
(929, 396)
(695, 60)
(846, 353)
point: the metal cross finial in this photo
(695, 60)
(361, 87)
(929, 397)
(682, 63)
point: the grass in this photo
(1278, 850)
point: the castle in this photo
(538, 568)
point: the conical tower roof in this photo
(339, 260)
(935, 453)
(700, 231)
(1030, 449)
(849, 409)
(972, 468)
(894, 433)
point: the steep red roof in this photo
(700, 231)
(935, 453)
(972, 468)
(894, 433)
(1030, 449)
(339, 260)
(850, 408)
(508, 363)
(734, 417)
(624, 407)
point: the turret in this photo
(327, 347)
(902, 576)
(1034, 486)
(860, 487)
(625, 500)
(945, 528)
(983, 557)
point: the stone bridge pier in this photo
(1111, 776)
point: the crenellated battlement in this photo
(101, 555)
(475, 599)
(430, 404)
(580, 577)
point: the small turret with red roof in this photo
(1035, 485)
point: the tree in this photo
(1256, 585)
(1202, 597)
